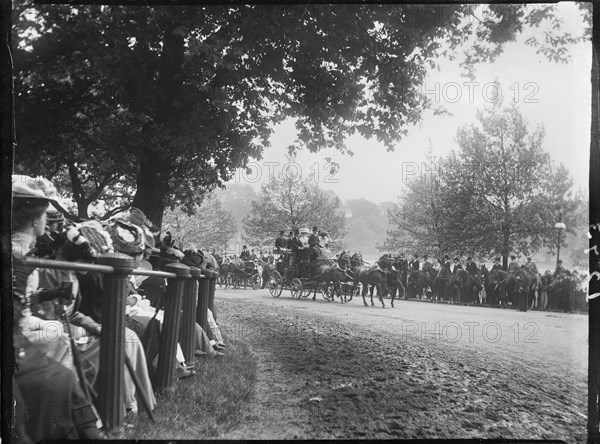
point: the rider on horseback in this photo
(471, 266)
(313, 242)
(514, 265)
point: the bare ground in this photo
(327, 370)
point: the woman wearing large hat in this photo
(40, 382)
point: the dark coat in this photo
(280, 242)
(472, 268)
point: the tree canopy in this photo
(170, 100)
(288, 202)
(498, 193)
(209, 228)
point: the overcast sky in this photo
(554, 95)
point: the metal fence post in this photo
(170, 329)
(112, 341)
(202, 307)
(187, 336)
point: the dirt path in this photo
(419, 370)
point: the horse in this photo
(239, 271)
(559, 292)
(415, 284)
(338, 274)
(502, 284)
(371, 276)
(393, 277)
(465, 284)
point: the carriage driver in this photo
(280, 242)
(245, 254)
(295, 245)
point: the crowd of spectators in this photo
(58, 314)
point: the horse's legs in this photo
(379, 295)
(364, 293)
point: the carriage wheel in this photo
(296, 288)
(275, 287)
(306, 292)
(256, 281)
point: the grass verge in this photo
(204, 406)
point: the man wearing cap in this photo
(513, 266)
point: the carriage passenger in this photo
(294, 245)
(290, 239)
(324, 243)
(313, 238)
(313, 242)
(280, 242)
(245, 254)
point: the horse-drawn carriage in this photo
(237, 273)
(301, 273)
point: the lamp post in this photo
(559, 227)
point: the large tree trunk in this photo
(155, 167)
(152, 188)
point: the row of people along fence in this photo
(190, 293)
